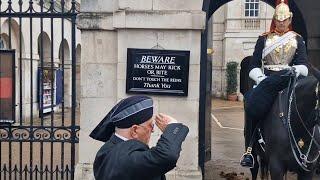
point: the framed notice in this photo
(160, 72)
(7, 86)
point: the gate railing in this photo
(42, 142)
(56, 173)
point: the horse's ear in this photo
(245, 83)
(314, 71)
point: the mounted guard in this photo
(275, 53)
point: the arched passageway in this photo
(78, 74)
(65, 63)
(305, 20)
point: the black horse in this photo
(289, 134)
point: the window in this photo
(251, 8)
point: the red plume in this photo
(273, 25)
(279, 1)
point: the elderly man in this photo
(275, 52)
(126, 130)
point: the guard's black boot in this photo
(247, 159)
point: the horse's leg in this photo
(305, 176)
(264, 168)
(276, 168)
(255, 169)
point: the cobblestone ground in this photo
(228, 143)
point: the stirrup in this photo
(246, 155)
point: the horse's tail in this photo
(264, 168)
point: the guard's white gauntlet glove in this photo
(257, 75)
(301, 70)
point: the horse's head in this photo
(307, 95)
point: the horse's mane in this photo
(314, 71)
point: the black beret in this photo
(130, 111)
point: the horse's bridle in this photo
(293, 142)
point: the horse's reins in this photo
(303, 157)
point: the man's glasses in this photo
(150, 126)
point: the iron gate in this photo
(39, 130)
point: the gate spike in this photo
(57, 169)
(62, 4)
(51, 8)
(30, 5)
(46, 171)
(15, 168)
(67, 170)
(25, 169)
(73, 5)
(10, 5)
(4, 168)
(36, 169)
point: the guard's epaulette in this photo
(296, 33)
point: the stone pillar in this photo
(108, 28)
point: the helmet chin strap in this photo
(281, 32)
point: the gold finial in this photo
(301, 143)
(210, 51)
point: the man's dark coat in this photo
(134, 160)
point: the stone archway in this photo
(78, 74)
(12, 39)
(4, 44)
(65, 63)
(45, 51)
(305, 28)
(306, 13)
(14, 27)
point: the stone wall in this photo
(108, 28)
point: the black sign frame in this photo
(13, 88)
(183, 58)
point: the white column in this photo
(108, 29)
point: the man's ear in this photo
(133, 131)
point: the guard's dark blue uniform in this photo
(133, 160)
(260, 99)
(300, 57)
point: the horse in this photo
(289, 135)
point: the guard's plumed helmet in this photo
(282, 11)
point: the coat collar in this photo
(115, 140)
